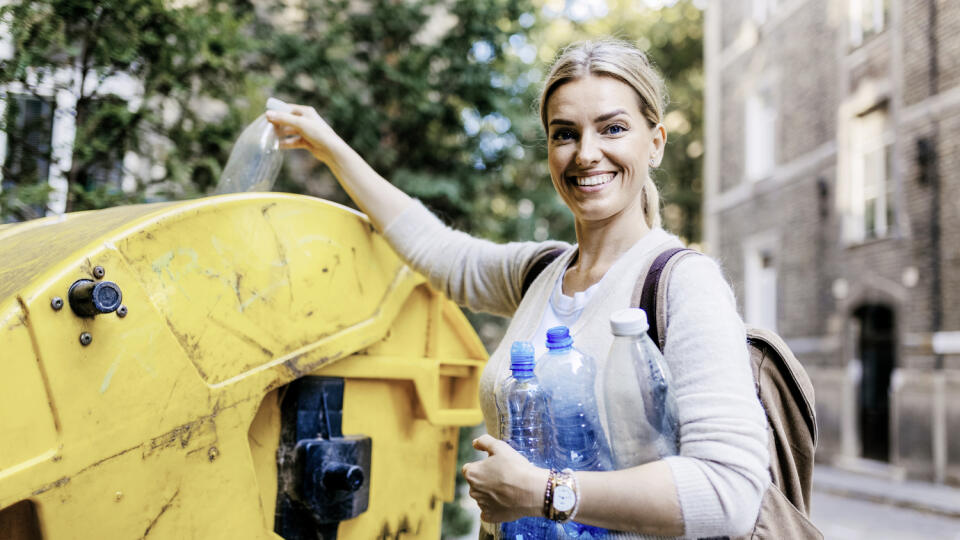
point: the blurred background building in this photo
(832, 198)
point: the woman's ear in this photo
(658, 142)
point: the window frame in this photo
(761, 282)
(761, 119)
(871, 211)
(879, 11)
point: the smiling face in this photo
(600, 146)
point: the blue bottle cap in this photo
(558, 337)
(521, 359)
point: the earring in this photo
(653, 162)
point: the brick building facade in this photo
(832, 199)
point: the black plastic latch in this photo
(323, 477)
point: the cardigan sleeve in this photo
(722, 470)
(476, 273)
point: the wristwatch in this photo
(561, 495)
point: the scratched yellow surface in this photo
(167, 424)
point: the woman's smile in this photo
(592, 182)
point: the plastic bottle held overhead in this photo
(640, 403)
(256, 158)
(524, 425)
(569, 375)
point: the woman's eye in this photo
(615, 129)
(563, 135)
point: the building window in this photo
(762, 10)
(871, 186)
(760, 284)
(29, 127)
(867, 17)
(760, 122)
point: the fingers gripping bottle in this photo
(256, 158)
(578, 440)
(640, 403)
(524, 425)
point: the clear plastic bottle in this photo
(524, 425)
(569, 376)
(256, 158)
(637, 388)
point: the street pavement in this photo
(843, 518)
(855, 506)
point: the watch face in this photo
(563, 498)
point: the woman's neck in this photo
(600, 244)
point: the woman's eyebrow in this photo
(609, 115)
(602, 118)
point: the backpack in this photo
(785, 391)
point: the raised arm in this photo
(376, 197)
(475, 273)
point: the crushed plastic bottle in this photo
(637, 385)
(524, 425)
(256, 158)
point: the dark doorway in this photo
(877, 352)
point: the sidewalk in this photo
(921, 496)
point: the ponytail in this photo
(650, 201)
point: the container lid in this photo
(629, 322)
(558, 337)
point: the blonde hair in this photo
(628, 64)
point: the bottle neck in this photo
(522, 370)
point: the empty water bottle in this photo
(256, 158)
(524, 425)
(640, 403)
(569, 376)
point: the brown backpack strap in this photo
(537, 268)
(653, 296)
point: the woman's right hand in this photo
(304, 128)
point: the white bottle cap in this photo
(274, 104)
(629, 322)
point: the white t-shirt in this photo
(562, 310)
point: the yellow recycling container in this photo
(243, 366)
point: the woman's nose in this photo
(588, 151)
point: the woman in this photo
(601, 107)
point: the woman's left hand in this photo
(505, 485)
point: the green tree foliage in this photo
(174, 56)
(430, 92)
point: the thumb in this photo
(486, 443)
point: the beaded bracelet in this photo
(548, 495)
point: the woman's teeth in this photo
(594, 180)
